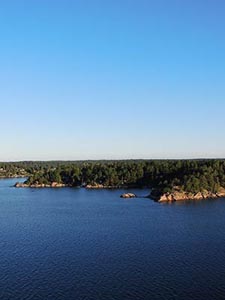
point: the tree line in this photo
(188, 175)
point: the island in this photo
(168, 180)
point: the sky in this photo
(112, 79)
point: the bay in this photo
(78, 244)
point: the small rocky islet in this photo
(128, 195)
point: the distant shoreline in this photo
(168, 180)
(16, 176)
(61, 185)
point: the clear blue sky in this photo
(112, 79)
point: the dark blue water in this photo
(91, 244)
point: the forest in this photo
(189, 175)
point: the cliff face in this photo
(177, 195)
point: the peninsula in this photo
(168, 180)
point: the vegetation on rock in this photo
(163, 176)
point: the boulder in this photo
(128, 195)
(20, 185)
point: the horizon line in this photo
(113, 159)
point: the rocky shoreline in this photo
(13, 176)
(59, 185)
(182, 195)
(37, 185)
(175, 195)
(101, 186)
